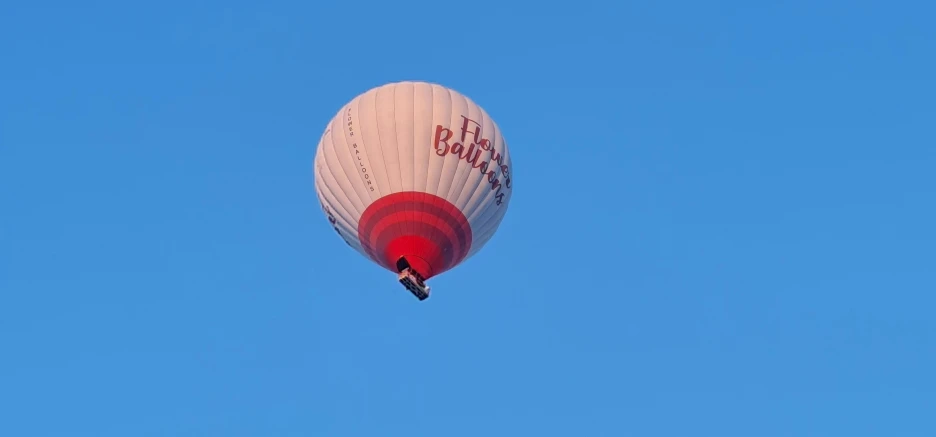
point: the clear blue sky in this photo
(722, 224)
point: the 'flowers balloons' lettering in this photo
(473, 153)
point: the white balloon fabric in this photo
(414, 170)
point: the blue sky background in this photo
(722, 225)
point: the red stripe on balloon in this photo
(429, 231)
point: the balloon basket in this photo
(414, 282)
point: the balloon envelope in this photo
(414, 170)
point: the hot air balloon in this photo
(414, 176)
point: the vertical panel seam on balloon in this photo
(459, 165)
(428, 152)
(394, 206)
(460, 169)
(412, 218)
(467, 175)
(435, 220)
(396, 137)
